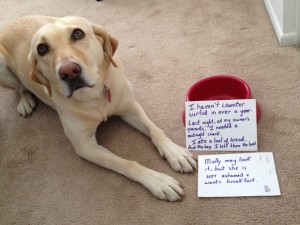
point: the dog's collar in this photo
(107, 94)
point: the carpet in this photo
(166, 46)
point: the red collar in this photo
(107, 93)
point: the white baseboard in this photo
(298, 23)
(288, 39)
(285, 39)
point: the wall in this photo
(285, 16)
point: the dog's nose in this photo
(69, 71)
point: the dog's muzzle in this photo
(71, 73)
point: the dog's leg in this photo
(81, 136)
(7, 79)
(179, 158)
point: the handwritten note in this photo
(245, 174)
(221, 125)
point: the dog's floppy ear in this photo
(110, 44)
(37, 76)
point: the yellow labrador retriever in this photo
(71, 65)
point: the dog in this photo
(71, 64)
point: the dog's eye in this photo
(77, 34)
(42, 49)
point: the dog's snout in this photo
(69, 71)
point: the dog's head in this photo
(70, 56)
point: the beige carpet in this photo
(166, 46)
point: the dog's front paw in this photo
(164, 187)
(26, 104)
(179, 158)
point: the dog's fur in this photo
(71, 65)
